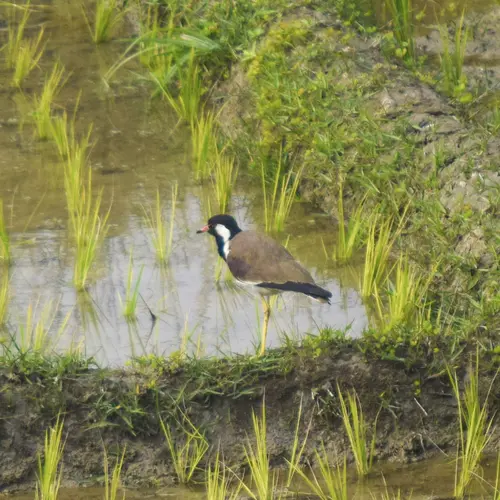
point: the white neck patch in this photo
(225, 234)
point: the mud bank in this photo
(417, 414)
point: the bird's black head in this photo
(227, 221)
(223, 227)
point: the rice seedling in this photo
(15, 34)
(5, 250)
(404, 29)
(42, 105)
(224, 178)
(452, 61)
(218, 485)
(356, 430)
(474, 428)
(29, 53)
(107, 16)
(187, 104)
(74, 167)
(35, 335)
(297, 451)
(112, 485)
(496, 491)
(162, 230)
(388, 495)
(49, 472)
(350, 237)
(257, 458)
(129, 304)
(278, 203)
(331, 484)
(379, 243)
(204, 144)
(89, 230)
(404, 295)
(186, 456)
(4, 295)
(62, 132)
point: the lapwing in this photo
(257, 260)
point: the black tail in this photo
(309, 289)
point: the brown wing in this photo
(258, 258)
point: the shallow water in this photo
(431, 479)
(139, 147)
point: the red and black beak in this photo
(204, 229)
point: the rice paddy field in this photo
(363, 136)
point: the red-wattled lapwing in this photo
(258, 260)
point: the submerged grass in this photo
(42, 104)
(324, 481)
(475, 428)
(356, 430)
(186, 455)
(112, 485)
(5, 250)
(49, 471)
(162, 229)
(107, 16)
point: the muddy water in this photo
(138, 147)
(432, 479)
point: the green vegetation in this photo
(355, 427)
(107, 17)
(218, 484)
(327, 483)
(452, 61)
(224, 178)
(403, 29)
(112, 485)
(4, 295)
(351, 237)
(264, 480)
(475, 427)
(5, 250)
(89, 229)
(278, 203)
(15, 34)
(49, 471)
(204, 145)
(29, 53)
(129, 304)
(379, 243)
(186, 456)
(162, 230)
(42, 104)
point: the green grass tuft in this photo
(356, 430)
(5, 250)
(49, 471)
(112, 485)
(224, 177)
(107, 17)
(129, 304)
(162, 230)
(29, 53)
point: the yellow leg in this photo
(267, 314)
